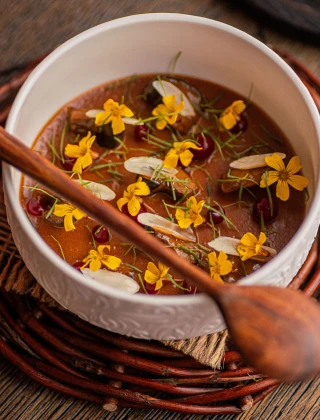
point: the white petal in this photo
(166, 88)
(113, 279)
(99, 190)
(93, 112)
(229, 246)
(146, 166)
(162, 225)
(253, 161)
(131, 121)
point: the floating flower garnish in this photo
(132, 196)
(166, 88)
(230, 245)
(82, 152)
(231, 115)
(156, 275)
(167, 112)
(68, 212)
(113, 279)
(219, 265)
(191, 215)
(113, 113)
(99, 257)
(284, 176)
(180, 151)
(250, 246)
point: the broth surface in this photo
(260, 136)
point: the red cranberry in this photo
(263, 207)
(78, 265)
(68, 163)
(241, 125)
(36, 206)
(135, 218)
(215, 217)
(150, 288)
(141, 131)
(191, 289)
(100, 234)
(207, 145)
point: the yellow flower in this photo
(68, 212)
(250, 246)
(113, 113)
(97, 258)
(131, 196)
(285, 176)
(82, 152)
(154, 274)
(168, 111)
(219, 266)
(180, 151)
(230, 116)
(185, 218)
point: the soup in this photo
(202, 169)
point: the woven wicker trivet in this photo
(66, 354)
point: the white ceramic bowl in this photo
(142, 44)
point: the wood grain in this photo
(30, 28)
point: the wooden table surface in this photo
(30, 28)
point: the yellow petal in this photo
(171, 159)
(121, 202)
(61, 210)
(293, 166)
(228, 120)
(111, 262)
(110, 104)
(186, 157)
(272, 177)
(222, 257)
(170, 102)
(216, 276)
(134, 206)
(245, 252)
(103, 118)
(248, 239)
(189, 145)
(72, 150)
(101, 249)
(141, 188)
(95, 265)
(161, 124)
(262, 238)
(78, 214)
(86, 160)
(68, 222)
(117, 125)
(275, 162)
(225, 267)
(125, 111)
(282, 190)
(238, 106)
(180, 107)
(163, 270)
(159, 284)
(212, 258)
(298, 182)
(77, 167)
(198, 221)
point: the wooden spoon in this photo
(276, 330)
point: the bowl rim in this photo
(69, 271)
